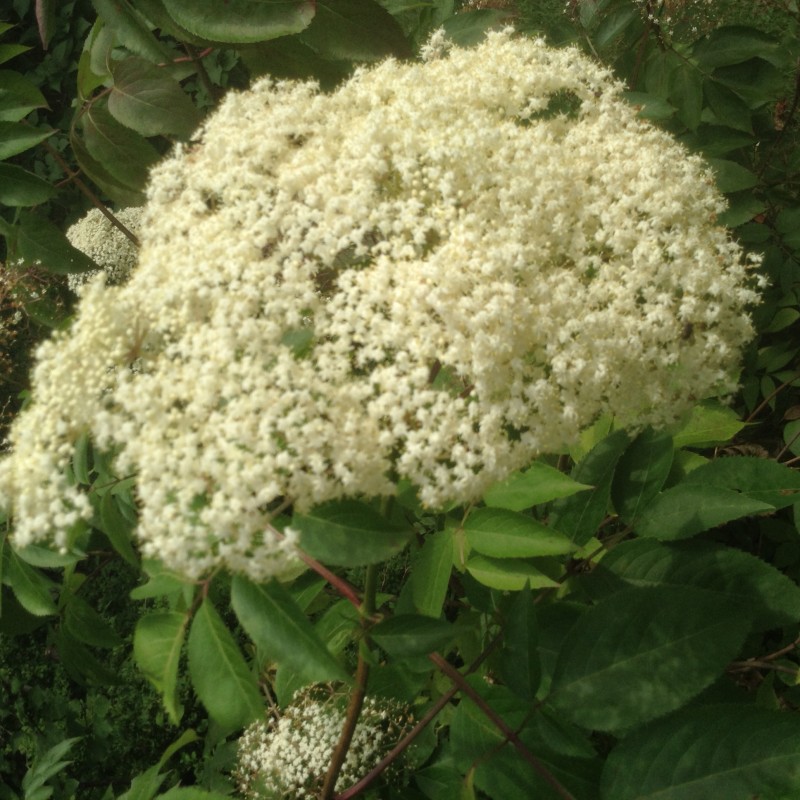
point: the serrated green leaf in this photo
(241, 21)
(733, 575)
(157, 644)
(87, 626)
(282, 632)
(132, 30)
(219, 673)
(507, 574)
(30, 587)
(125, 154)
(758, 478)
(643, 652)
(15, 137)
(410, 635)
(349, 534)
(688, 509)
(358, 30)
(539, 483)
(732, 177)
(46, 766)
(18, 96)
(148, 101)
(708, 425)
(579, 516)
(502, 533)
(38, 240)
(734, 44)
(723, 751)
(641, 472)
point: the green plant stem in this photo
(451, 672)
(359, 689)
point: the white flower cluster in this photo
(434, 273)
(288, 758)
(94, 235)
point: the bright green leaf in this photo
(723, 751)
(219, 673)
(240, 21)
(282, 631)
(643, 652)
(349, 534)
(147, 100)
(507, 574)
(9, 51)
(117, 528)
(46, 766)
(157, 644)
(508, 534)
(709, 424)
(30, 587)
(132, 30)
(430, 573)
(540, 483)
(689, 508)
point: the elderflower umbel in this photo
(95, 235)
(434, 273)
(287, 758)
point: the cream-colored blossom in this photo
(287, 758)
(115, 254)
(434, 273)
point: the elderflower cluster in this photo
(434, 273)
(288, 758)
(115, 254)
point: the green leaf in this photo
(18, 96)
(219, 673)
(18, 187)
(192, 793)
(15, 137)
(641, 472)
(723, 751)
(742, 208)
(688, 509)
(732, 177)
(125, 154)
(280, 629)
(30, 587)
(758, 478)
(80, 664)
(38, 556)
(579, 516)
(507, 574)
(117, 528)
(686, 94)
(9, 51)
(240, 21)
(349, 534)
(613, 24)
(519, 664)
(46, 20)
(87, 626)
(358, 30)
(147, 100)
(46, 766)
(470, 27)
(430, 573)
(119, 193)
(508, 534)
(132, 30)
(755, 81)
(717, 140)
(643, 652)
(729, 109)
(735, 44)
(157, 644)
(38, 240)
(709, 424)
(650, 106)
(539, 483)
(410, 635)
(733, 575)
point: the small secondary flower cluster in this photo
(434, 273)
(115, 254)
(288, 758)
